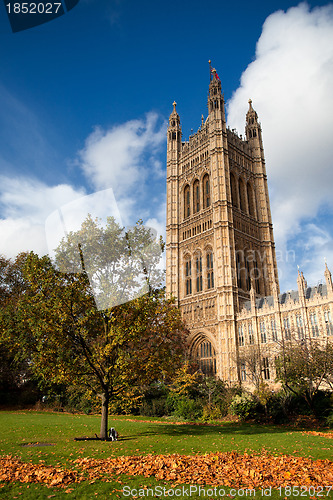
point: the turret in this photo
(302, 285)
(253, 127)
(328, 279)
(215, 97)
(174, 135)
(174, 130)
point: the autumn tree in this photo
(79, 341)
(304, 366)
(14, 368)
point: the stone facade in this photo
(220, 251)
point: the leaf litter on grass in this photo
(228, 469)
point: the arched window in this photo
(187, 201)
(206, 357)
(256, 274)
(196, 196)
(198, 266)
(248, 272)
(238, 270)
(233, 187)
(250, 199)
(206, 191)
(210, 270)
(188, 276)
(242, 204)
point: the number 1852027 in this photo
(33, 8)
(304, 491)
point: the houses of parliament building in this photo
(220, 250)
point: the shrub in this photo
(243, 406)
(210, 413)
(189, 409)
(329, 420)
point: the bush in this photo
(276, 408)
(189, 409)
(243, 406)
(210, 413)
(155, 401)
(329, 420)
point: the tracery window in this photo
(299, 323)
(240, 335)
(233, 189)
(314, 325)
(242, 204)
(274, 331)
(263, 332)
(238, 271)
(265, 365)
(188, 276)
(206, 191)
(286, 325)
(196, 196)
(210, 270)
(206, 358)
(328, 322)
(199, 272)
(251, 337)
(187, 209)
(250, 199)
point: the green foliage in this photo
(329, 420)
(303, 367)
(56, 328)
(243, 406)
(211, 413)
(189, 409)
(185, 382)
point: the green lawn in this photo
(19, 429)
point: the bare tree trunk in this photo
(104, 421)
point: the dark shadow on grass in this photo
(232, 429)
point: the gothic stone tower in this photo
(220, 243)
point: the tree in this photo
(73, 342)
(303, 366)
(14, 369)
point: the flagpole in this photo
(210, 70)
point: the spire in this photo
(328, 278)
(253, 128)
(215, 97)
(302, 284)
(174, 129)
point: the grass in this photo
(137, 438)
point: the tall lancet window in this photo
(206, 191)
(187, 201)
(210, 270)
(188, 276)
(199, 272)
(196, 196)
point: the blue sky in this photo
(84, 101)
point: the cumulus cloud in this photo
(290, 82)
(124, 159)
(124, 156)
(25, 205)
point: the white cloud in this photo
(290, 82)
(122, 158)
(125, 159)
(25, 205)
